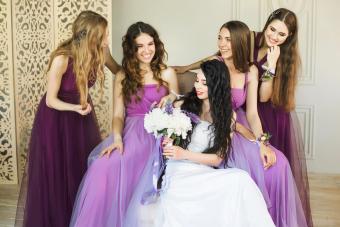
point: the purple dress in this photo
(277, 183)
(109, 183)
(60, 144)
(286, 136)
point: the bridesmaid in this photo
(277, 58)
(117, 163)
(65, 129)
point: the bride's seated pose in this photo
(194, 193)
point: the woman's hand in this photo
(174, 152)
(83, 111)
(167, 141)
(267, 155)
(273, 54)
(170, 97)
(117, 144)
(180, 69)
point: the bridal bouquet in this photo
(169, 122)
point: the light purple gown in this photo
(110, 182)
(277, 183)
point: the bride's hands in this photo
(167, 141)
(174, 152)
(117, 144)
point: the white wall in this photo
(189, 30)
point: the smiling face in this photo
(224, 43)
(145, 48)
(201, 86)
(276, 33)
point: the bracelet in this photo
(267, 75)
(264, 138)
(178, 96)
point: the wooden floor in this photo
(325, 201)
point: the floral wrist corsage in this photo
(264, 138)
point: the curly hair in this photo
(289, 61)
(85, 48)
(219, 95)
(133, 80)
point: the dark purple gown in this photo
(60, 144)
(286, 136)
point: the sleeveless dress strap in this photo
(252, 46)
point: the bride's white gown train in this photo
(197, 195)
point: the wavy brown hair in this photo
(85, 48)
(289, 62)
(133, 80)
(240, 44)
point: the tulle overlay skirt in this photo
(277, 183)
(59, 146)
(110, 182)
(286, 136)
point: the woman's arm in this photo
(110, 62)
(266, 88)
(169, 76)
(267, 155)
(195, 65)
(178, 153)
(245, 132)
(251, 113)
(118, 116)
(54, 76)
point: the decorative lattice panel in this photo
(8, 162)
(33, 43)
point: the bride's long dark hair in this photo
(219, 94)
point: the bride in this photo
(194, 193)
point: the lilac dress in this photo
(277, 183)
(109, 183)
(286, 136)
(60, 144)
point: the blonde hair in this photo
(85, 47)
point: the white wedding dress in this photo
(196, 195)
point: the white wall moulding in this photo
(305, 114)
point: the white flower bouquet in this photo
(171, 122)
